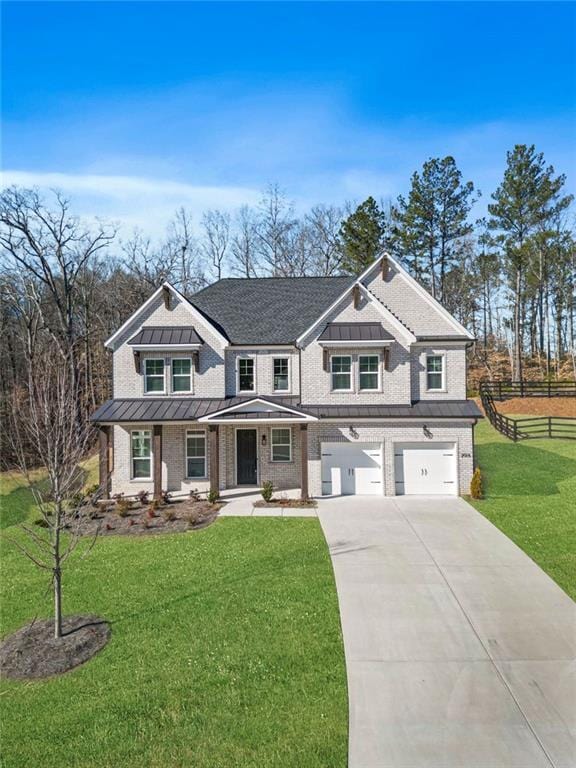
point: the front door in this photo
(246, 457)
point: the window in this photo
(154, 375)
(281, 444)
(435, 372)
(281, 377)
(182, 375)
(195, 454)
(141, 454)
(369, 366)
(246, 374)
(341, 366)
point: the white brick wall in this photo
(389, 434)
(316, 382)
(455, 372)
(264, 368)
(208, 382)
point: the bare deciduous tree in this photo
(44, 421)
(216, 226)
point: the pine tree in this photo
(526, 201)
(362, 237)
(428, 228)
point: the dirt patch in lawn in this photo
(33, 652)
(174, 517)
(538, 406)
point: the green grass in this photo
(530, 490)
(226, 651)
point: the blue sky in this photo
(136, 108)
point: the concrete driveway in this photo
(459, 649)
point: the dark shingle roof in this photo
(166, 335)
(354, 332)
(268, 310)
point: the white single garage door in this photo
(352, 468)
(425, 469)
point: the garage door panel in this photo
(357, 467)
(425, 469)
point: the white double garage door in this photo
(426, 469)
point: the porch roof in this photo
(149, 336)
(191, 409)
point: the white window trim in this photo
(280, 461)
(289, 361)
(158, 392)
(378, 373)
(181, 391)
(351, 374)
(151, 459)
(443, 356)
(197, 432)
(245, 391)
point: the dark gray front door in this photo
(246, 457)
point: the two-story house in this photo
(335, 385)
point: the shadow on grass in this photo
(519, 469)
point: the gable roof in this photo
(268, 310)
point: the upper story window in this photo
(246, 375)
(141, 450)
(435, 372)
(154, 380)
(341, 373)
(182, 374)
(369, 367)
(281, 444)
(281, 375)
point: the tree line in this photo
(68, 284)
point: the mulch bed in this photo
(33, 652)
(141, 520)
(287, 503)
(538, 406)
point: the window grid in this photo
(141, 454)
(369, 369)
(182, 374)
(246, 374)
(281, 380)
(195, 454)
(341, 367)
(281, 444)
(154, 375)
(435, 372)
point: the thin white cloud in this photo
(134, 201)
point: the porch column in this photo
(304, 461)
(157, 460)
(214, 458)
(104, 464)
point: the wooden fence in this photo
(533, 426)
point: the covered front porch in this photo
(238, 447)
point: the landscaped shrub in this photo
(267, 491)
(476, 490)
(155, 504)
(143, 497)
(151, 512)
(123, 506)
(213, 495)
(169, 515)
(195, 517)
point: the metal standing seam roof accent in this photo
(355, 332)
(164, 335)
(190, 409)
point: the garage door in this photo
(352, 468)
(425, 469)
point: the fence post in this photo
(521, 387)
(515, 437)
(549, 389)
(549, 426)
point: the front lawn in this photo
(225, 651)
(530, 491)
